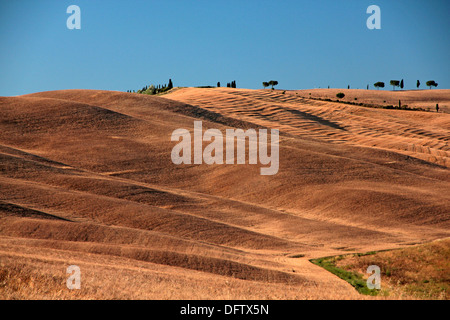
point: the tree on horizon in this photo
(401, 84)
(379, 85)
(273, 83)
(265, 84)
(431, 83)
(418, 84)
(395, 83)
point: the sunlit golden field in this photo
(87, 180)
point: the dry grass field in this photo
(414, 99)
(418, 272)
(87, 179)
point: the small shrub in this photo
(388, 273)
(297, 256)
(340, 95)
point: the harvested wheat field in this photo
(87, 180)
(413, 99)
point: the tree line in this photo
(272, 83)
(401, 84)
(152, 89)
(231, 84)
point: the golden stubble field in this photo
(87, 180)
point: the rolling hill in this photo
(87, 179)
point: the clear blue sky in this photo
(303, 44)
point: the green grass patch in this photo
(354, 278)
(421, 271)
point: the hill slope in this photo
(87, 179)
